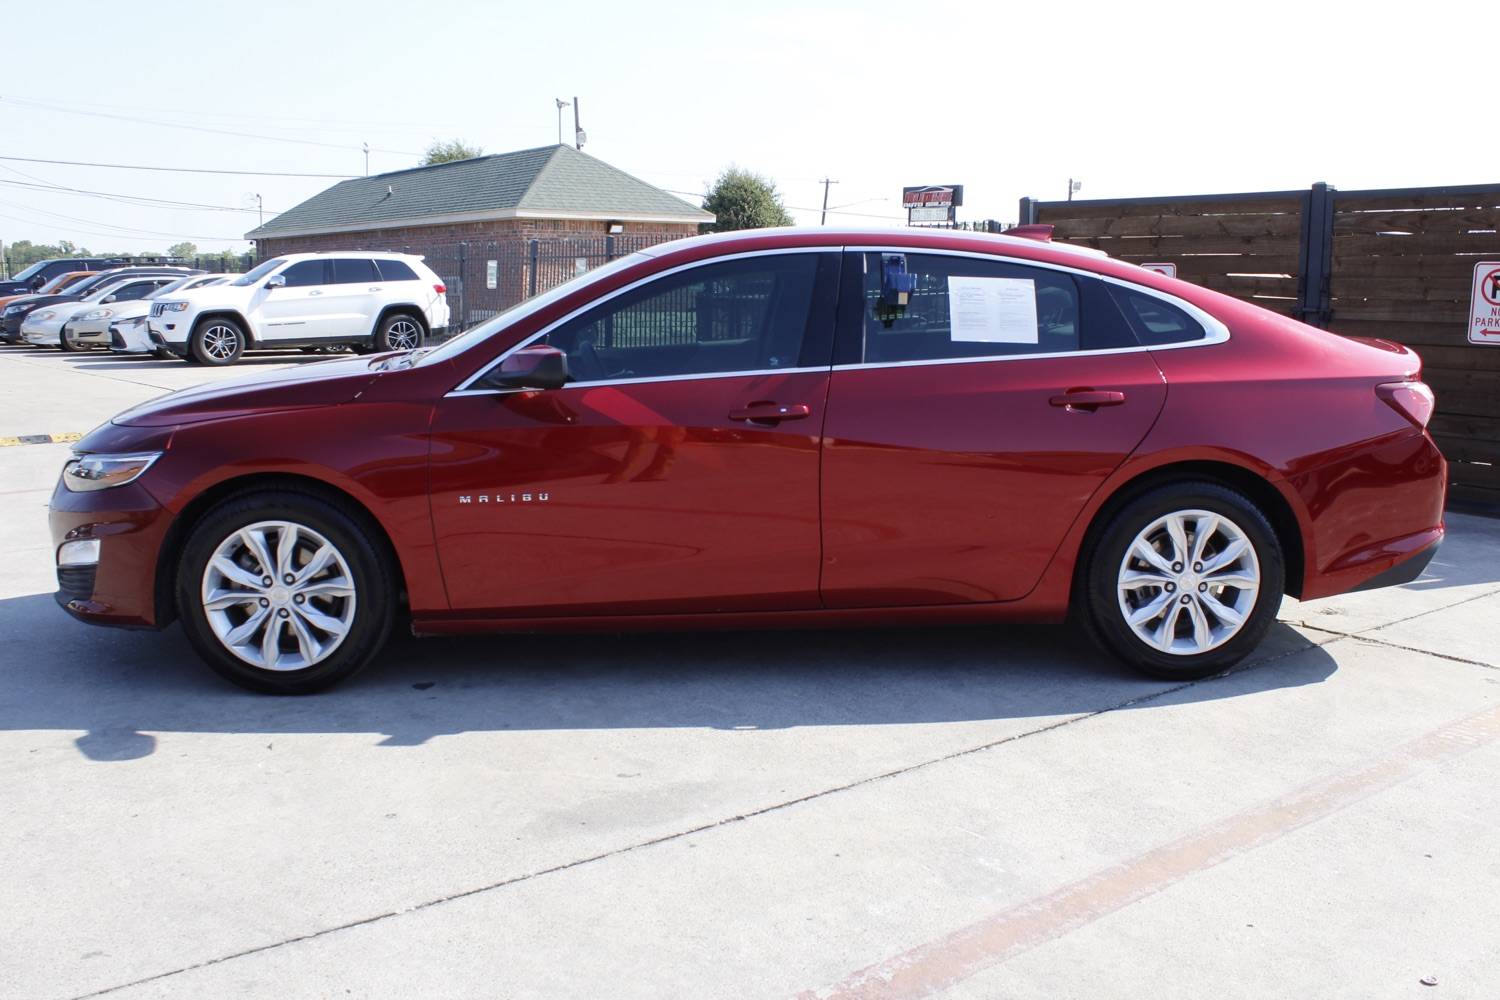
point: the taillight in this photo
(441, 289)
(1413, 400)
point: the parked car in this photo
(60, 283)
(43, 327)
(88, 328)
(369, 301)
(16, 312)
(39, 274)
(773, 428)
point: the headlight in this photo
(101, 472)
(12, 310)
(94, 314)
(130, 321)
(171, 307)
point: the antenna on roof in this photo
(560, 105)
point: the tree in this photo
(741, 199)
(187, 251)
(447, 152)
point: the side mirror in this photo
(108, 298)
(538, 367)
(276, 281)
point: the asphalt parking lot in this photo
(968, 813)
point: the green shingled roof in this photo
(533, 183)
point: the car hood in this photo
(326, 383)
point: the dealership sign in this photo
(931, 202)
(933, 196)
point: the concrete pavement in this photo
(977, 813)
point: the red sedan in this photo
(773, 428)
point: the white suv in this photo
(366, 301)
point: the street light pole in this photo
(560, 105)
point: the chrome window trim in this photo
(463, 388)
(1216, 331)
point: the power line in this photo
(38, 106)
(267, 121)
(175, 170)
(126, 199)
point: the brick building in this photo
(499, 228)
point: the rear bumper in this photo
(1377, 518)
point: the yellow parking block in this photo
(6, 442)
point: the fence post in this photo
(1315, 258)
(1028, 212)
(463, 306)
(609, 247)
(535, 255)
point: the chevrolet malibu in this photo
(773, 428)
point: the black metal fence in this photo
(486, 278)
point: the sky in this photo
(224, 102)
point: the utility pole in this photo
(1073, 186)
(579, 136)
(367, 159)
(827, 183)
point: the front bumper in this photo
(42, 336)
(94, 334)
(121, 589)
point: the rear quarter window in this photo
(395, 270)
(1156, 321)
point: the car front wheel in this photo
(284, 593)
(1183, 581)
(217, 342)
(398, 333)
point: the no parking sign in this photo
(1484, 304)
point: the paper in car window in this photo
(992, 310)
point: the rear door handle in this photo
(1087, 400)
(771, 412)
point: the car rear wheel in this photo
(284, 593)
(217, 342)
(1184, 581)
(399, 332)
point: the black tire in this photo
(1148, 603)
(398, 332)
(217, 341)
(70, 346)
(322, 620)
(162, 354)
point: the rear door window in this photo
(967, 307)
(354, 270)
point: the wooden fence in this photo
(1397, 264)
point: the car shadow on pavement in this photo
(119, 687)
(145, 363)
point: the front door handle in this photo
(1087, 400)
(771, 413)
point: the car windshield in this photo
(33, 269)
(58, 282)
(193, 280)
(258, 272)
